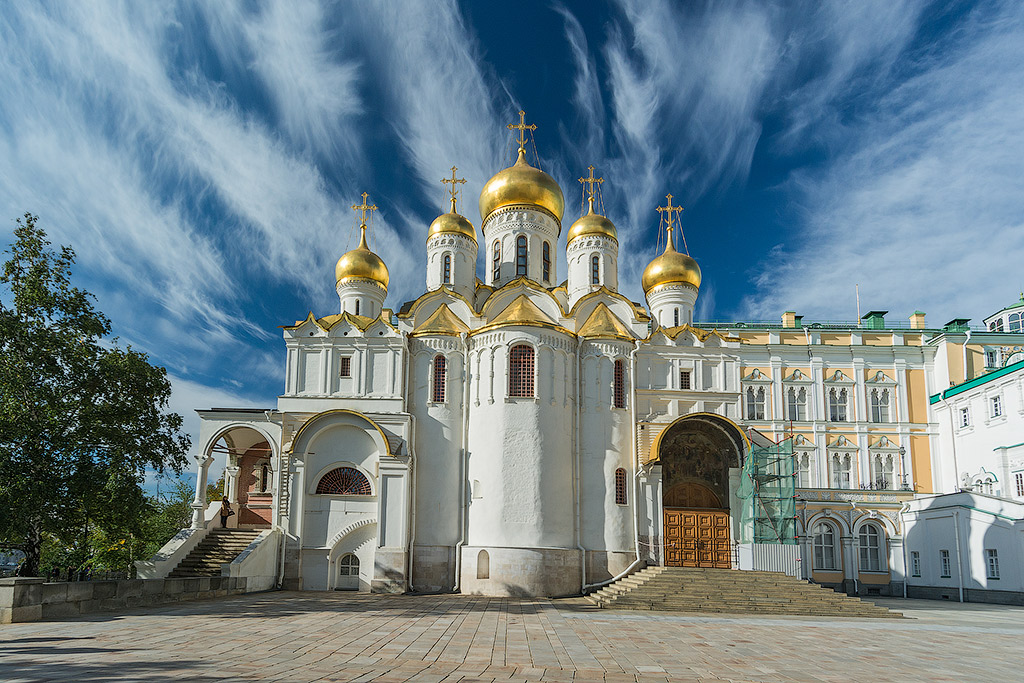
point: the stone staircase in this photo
(219, 546)
(684, 589)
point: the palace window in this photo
(446, 275)
(837, 404)
(996, 325)
(915, 563)
(620, 486)
(344, 481)
(965, 417)
(521, 256)
(619, 384)
(796, 404)
(440, 379)
(496, 261)
(842, 471)
(991, 359)
(595, 270)
(803, 470)
(1018, 478)
(871, 549)
(520, 375)
(824, 541)
(996, 402)
(755, 403)
(1016, 322)
(879, 405)
(345, 366)
(684, 379)
(944, 564)
(547, 262)
(992, 563)
(883, 469)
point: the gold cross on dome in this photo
(453, 181)
(364, 207)
(522, 128)
(591, 181)
(672, 211)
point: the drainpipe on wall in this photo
(906, 574)
(412, 498)
(959, 559)
(576, 472)
(855, 560)
(463, 462)
(952, 440)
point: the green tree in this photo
(81, 419)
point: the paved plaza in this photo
(286, 636)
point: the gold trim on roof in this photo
(522, 310)
(702, 335)
(603, 323)
(440, 291)
(524, 281)
(328, 322)
(638, 310)
(441, 321)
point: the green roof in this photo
(971, 383)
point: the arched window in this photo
(871, 549)
(620, 486)
(796, 404)
(520, 371)
(348, 565)
(446, 274)
(595, 270)
(842, 471)
(264, 483)
(547, 262)
(521, 256)
(344, 481)
(675, 318)
(824, 541)
(883, 470)
(755, 403)
(803, 470)
(440, 379)
(619, 384)
(1016, 322)
(483, 565)
(837, 403)
(496, 261)
(879, 405)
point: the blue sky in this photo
(201, 157)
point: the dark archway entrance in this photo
(696, 453)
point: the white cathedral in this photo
(509, 433)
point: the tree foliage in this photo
(81, 419)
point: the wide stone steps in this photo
(685, 589)
(219, 547)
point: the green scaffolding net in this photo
(767, 493)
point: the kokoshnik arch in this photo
(528, 430)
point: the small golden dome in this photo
(361, 264)
(452, 222)
(592, 224)
(521, 184)
(670, 267)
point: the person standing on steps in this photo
(225, 512)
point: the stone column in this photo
(849, 565)
(231, 491)
(199, 504)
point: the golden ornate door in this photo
(697, 538)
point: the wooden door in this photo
(697, 538)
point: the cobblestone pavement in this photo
(349, 637)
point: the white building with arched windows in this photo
(513, 431)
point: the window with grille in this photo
(997, 406)
(345, 366)
(496, 262)
(344, 481)
(824, 542)
(595, 270)
(870, 549)
(521, 256)
(446, 275)
(837, 404)
(944, 564)
(965, 417)
(620, 486)
(879, 405)
(440, 379)
(915, 563)
(520, 375)
(684, 379)
(992, 563)
(675, 317)
(1019, 480)
(547, 262)
(619, 382)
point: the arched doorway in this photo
(696, 453)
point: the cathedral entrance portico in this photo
(697, 454)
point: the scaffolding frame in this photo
(768, 493)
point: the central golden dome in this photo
(521, 184)
(592, 224)
(670, 267)
(452, 222)
(362, 264)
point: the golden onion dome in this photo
(671, 267)
(592, 223)
(361, 264)
(521, 184)
(452, 223)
